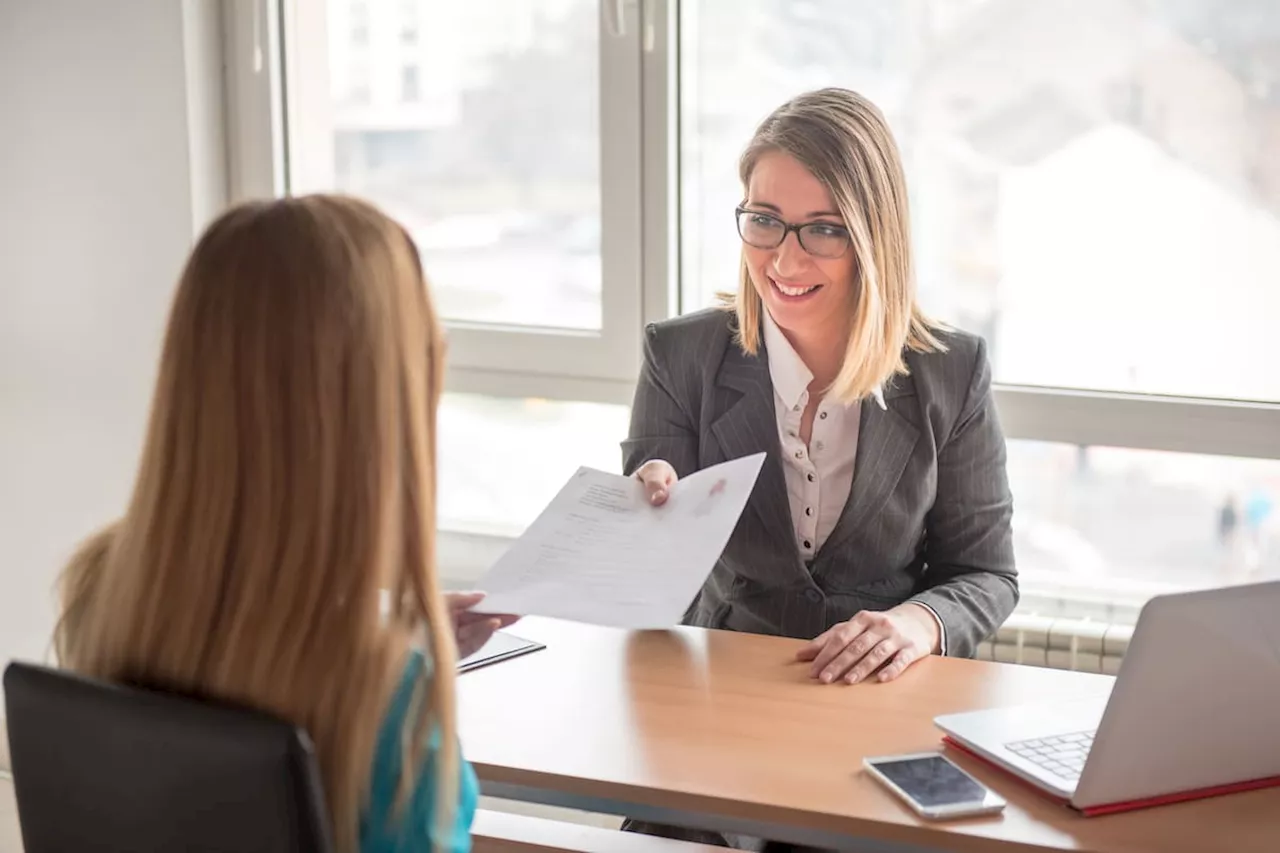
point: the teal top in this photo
(380, 831)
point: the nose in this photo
(790, 258)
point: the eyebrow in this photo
(775, 209)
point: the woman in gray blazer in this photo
(879, 528)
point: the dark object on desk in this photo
(99, 766)
(501, 646)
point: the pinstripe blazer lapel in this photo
(750, 425)
(886, 440)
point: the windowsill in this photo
(464, 555)
(468, 529)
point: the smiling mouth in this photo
(792, 292)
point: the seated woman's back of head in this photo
(287, 479)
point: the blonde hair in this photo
(843, 139)
(286, 481)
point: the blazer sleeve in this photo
(661, 424)
(971, 582)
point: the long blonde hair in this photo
(844, 140)
(287, 480)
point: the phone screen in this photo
(932, 781)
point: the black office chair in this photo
(103, 767)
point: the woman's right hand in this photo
(472, 630)
(658, 477)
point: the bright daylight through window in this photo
(491, 156)
(1095, 189)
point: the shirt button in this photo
(791, 433)
(795, 408)
(810, 476)
(799, 454)
(822, 415)
(819, 445)
(813, 595)
(808, 510)
(808, 545)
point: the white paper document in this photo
(601, 553)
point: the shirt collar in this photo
(790, 376)
(878, 394)
(788, 372)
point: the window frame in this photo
(640, 228)
(283, 145)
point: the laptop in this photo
(1192, 711)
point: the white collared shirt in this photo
(818, 477)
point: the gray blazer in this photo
(928, 517)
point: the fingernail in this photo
(826, 678)
(852, 678)
(659, 496)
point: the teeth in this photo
(794, 291)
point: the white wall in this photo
(111, 158)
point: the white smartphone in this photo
(933, 785)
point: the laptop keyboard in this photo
(1061, 755)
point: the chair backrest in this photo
(101, 766)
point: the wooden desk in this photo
(723, 731)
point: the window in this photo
(409, 92)
(358, 16)
(1148, 519)
(503, 458)
(514, 173)
(359, 92)
(409, 23)
(1094, 189)
(1094, 184)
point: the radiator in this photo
(1084, 645)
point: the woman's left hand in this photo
(473, 630)
(888, 641)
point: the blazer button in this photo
(813, 595)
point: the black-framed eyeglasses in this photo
(766, 231)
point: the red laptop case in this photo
(1131, 805)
